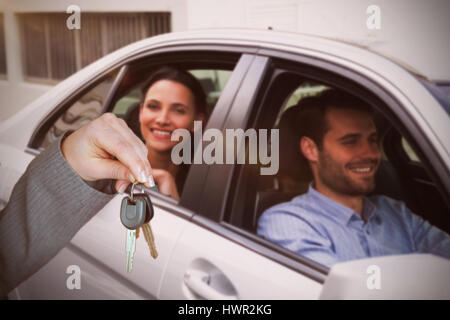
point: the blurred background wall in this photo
(37, 50)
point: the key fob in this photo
(133, 214)
(149, 205)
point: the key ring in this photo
(132, 189)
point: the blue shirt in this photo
(325, 231)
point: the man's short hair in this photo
(311, 118)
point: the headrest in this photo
(131, 117)
(291, 163)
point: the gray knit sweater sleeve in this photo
(47, 207)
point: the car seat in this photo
(293, 176)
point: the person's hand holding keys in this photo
(106, 148)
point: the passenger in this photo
(336, 220)
(172, 99)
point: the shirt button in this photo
(377, 220)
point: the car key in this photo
(137, 211)
(150, 239)
(131, 247)
(146, 228)
(133, 213)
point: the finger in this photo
(120, 126)
(159, 174)
(133, 137)
(112, 169)
(139, 145)
(115, 145)
(166, 183)
(121, 185)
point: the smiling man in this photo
(336, 220)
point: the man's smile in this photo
(363, 169)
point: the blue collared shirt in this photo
(325, 231)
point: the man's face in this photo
(350, 155)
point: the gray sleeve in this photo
(47, 207)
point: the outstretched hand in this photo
(106, 148)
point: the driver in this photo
(336, 220)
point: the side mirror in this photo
(412, 276)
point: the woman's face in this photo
(168, 105)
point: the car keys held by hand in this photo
(136, 211)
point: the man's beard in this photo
(336, 179)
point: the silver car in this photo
(207, 241)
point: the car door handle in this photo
(209, 286)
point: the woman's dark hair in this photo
(180, 76)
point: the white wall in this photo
(414, 31)
(15, 93)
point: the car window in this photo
(263, 191)
(440, 91)
(306, 89)
(126, 104)
(83, 110)
(122, 105)
(212, 80)
(255, 193)
(409, 151)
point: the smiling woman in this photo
(172, 99)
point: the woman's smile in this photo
(161, 133)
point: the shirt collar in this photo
(337, 211)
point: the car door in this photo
(92, 266)
(94, 259)
(213, 259)
(219, 255)
(79, 107)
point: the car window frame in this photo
(179, 58)
(194, 181)
(44, 125)
(42, 128)
(195, 177)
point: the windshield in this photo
(441, 91)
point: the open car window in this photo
(213, 82)
(212, 74)
(254, 193)
(75, 114)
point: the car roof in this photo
(273, 38)
(400, 82)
